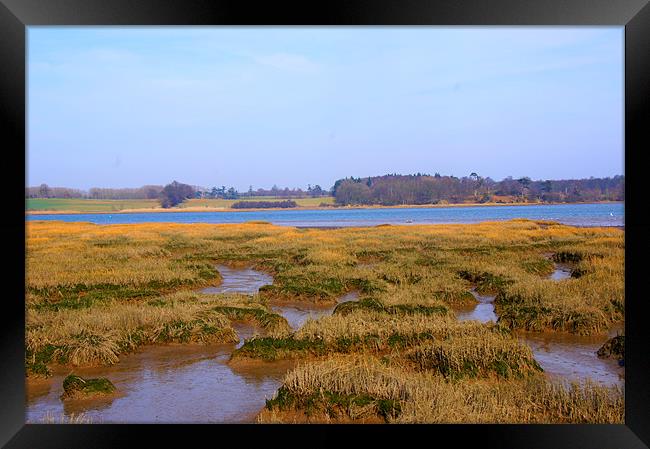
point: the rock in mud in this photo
(614, 348)
(75, 387)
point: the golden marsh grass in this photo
(399, 355)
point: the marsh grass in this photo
(98, 336)
(372, 332)
(79, 265)
(398, 355)
(406, 396)
(398, 309)
(496, 355)
(272, 323)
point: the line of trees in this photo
(97, 193)
(264, 204)
(45, 191)
(231, 193)
(394, 189)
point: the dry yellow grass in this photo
(97, 336)
(337, 386)
(95, 292)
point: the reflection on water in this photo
(483, 311)
(240, 280)
(298, 312)
(166, 384)
(573, 357)
(562, 271)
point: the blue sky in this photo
(240, 106)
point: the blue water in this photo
(610, 214)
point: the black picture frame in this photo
(634, 15)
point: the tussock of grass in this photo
(361, 323)
(316, 388)
(486, 283)
(496, 355)
(99, 335)
(362, 331)
(273, 323)
(76, 386)
(399, 309)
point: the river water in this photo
(603, 214)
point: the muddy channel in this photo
(180, 383)
(563, 356)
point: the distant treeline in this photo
(426, 189)
(390, 189)
(96, 193)
(232, 194)
(155, 192)
(263, 204)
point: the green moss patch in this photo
(270, 349)
(399, 309)
(77, 387)
(334, 404)
(505, 360)
(486, 283)
(267, 320)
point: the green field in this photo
(86, 205)
(303, 202)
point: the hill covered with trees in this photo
(394, 189)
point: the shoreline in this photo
(226, 209)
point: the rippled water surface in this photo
(573, 357)
(483, 311)
(239, 280)
(562, 271)
(609, 214)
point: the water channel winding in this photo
(180, 383)
(195, 384)
(563, 356)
